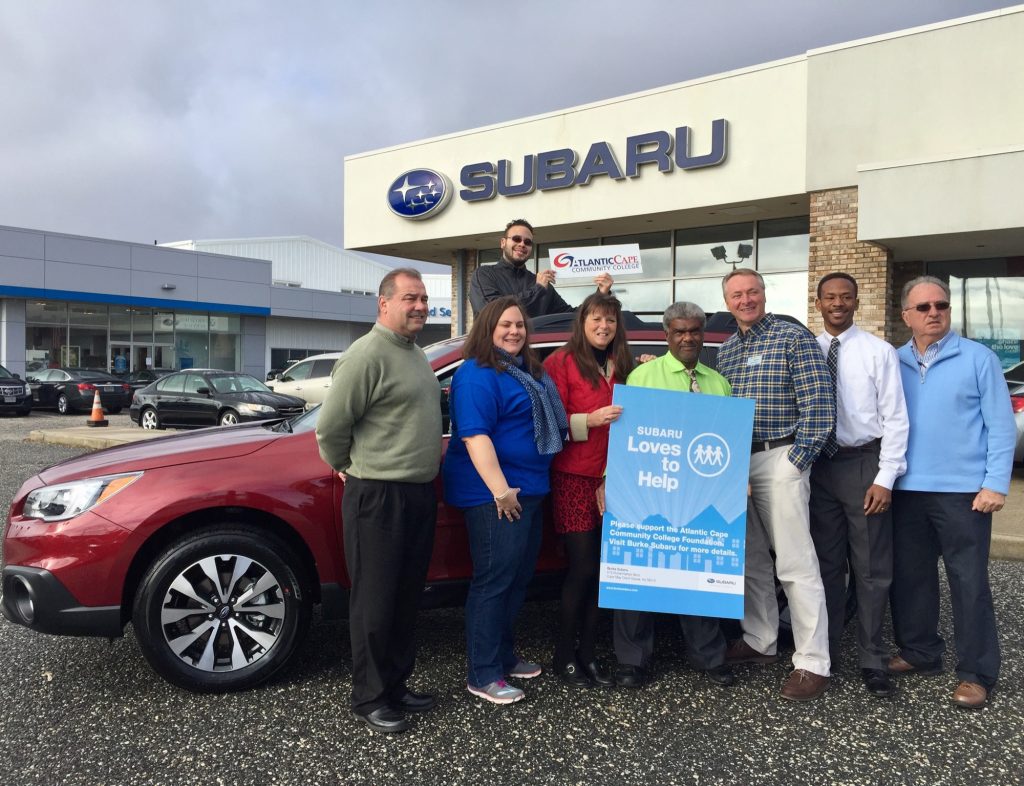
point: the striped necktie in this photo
(832, 360)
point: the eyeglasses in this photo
(528, 242)
(924, 308)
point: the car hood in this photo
(256, 397)
(209, 444)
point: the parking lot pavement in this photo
(86, 711)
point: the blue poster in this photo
(674, 528)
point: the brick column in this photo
(834, 247)
(902, 272)
(457, 307)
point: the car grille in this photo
(10, 390)
(288, 412)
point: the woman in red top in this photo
(584, 370)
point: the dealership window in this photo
(987, 302)
(45, 334)
(488, 256)
(705, 292)
(778, 249)
(225, 344)
(192, 339)
(783, 244)
(120, 324)
(87, 336)
(655, 253)
(127, 338)
(705, 251)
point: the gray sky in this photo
(142, 120)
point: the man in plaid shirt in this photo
(779, 365)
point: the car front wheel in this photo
(221, 609)
(228, 417)
(149, 420)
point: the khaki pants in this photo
(778, 518)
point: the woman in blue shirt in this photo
(507, 425)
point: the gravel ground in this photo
(84, 711)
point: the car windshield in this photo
(5, 373)
(237, 383)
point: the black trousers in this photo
(928, 525)
(389, 537)
(842, 532)
(633, 637)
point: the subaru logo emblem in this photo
(419, 193)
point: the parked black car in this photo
(140, 379)
(202, 397)
(73, 389)
(15, 394)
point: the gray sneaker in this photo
(524, 670)
(498, 692)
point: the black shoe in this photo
(721, 675)
(878, 682)
(383, 719)
(414, 702)
(598, 676)
(572, 675)
(630, 676)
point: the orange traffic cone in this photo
(96, 418)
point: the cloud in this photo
(143, 120)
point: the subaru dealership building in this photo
(885, 157)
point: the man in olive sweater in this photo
(380, 429)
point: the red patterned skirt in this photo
(574, 502)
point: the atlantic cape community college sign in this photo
(424, 193)
(589, 261)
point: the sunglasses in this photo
(924, 308)
(528, 242)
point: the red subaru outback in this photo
(215, 544)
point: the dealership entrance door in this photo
(133, 357)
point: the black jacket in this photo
(492, 281)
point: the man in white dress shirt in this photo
(851, 482)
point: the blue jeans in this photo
(504, 557)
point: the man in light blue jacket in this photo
(959, 458)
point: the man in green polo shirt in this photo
(633, 631)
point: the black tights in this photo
(579, 612)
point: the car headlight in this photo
(256, 409)
(67, 500)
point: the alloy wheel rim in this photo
(223, 613)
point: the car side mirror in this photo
(204, 391)
(17, 376)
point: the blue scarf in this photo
(549, 421)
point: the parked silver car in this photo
(308, 379)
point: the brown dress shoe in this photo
(804, 685)
(739, 651)
(897, 665)
(970, 695)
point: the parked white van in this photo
(308, 379)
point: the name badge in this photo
(754, 360)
